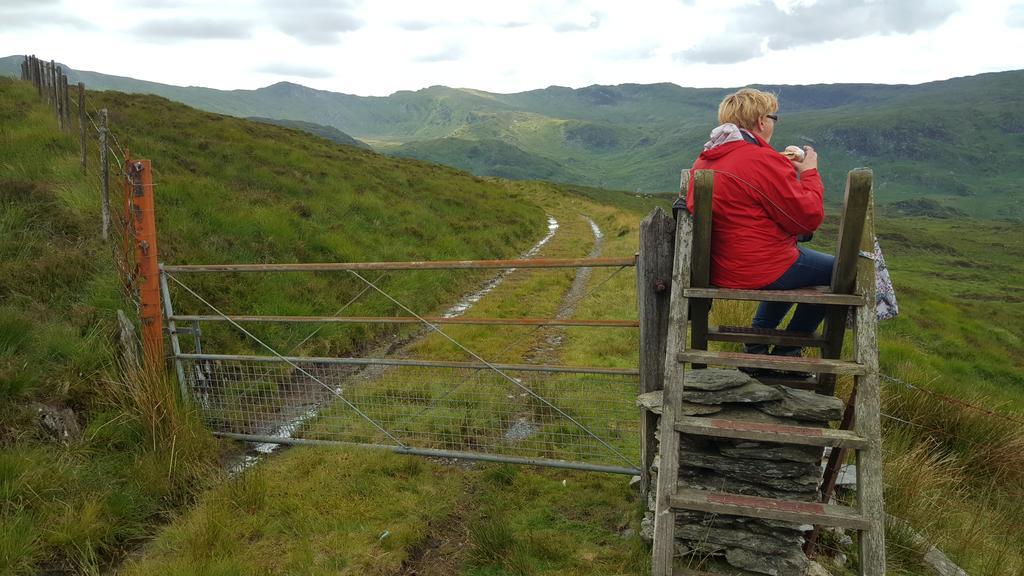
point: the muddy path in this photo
(545, 351)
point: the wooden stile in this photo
(868, 516)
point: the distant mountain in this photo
(326, 132)
(957, 142)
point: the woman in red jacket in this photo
(762, 202)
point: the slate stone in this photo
(745, 413)
(653, 402)
(775, 528)
(803, 405)
(773, 564)
(749, 393)
(797, 488)
(714, 379)
(748, 468)
(725, 537)
(772, 451)
(57, 422)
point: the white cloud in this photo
(381, 46)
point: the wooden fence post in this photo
(44, 80)
(105, 173)
(52, 88)
(81, 122)
(58, 89)
(653, 276)
(37, 76)
(129, 346)
(67, 102)
(142, 228)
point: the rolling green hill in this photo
(325, 132)
(956, 142)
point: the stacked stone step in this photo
(746, 546)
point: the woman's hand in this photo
(810, 160)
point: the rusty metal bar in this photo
(429, 265)
(421, 363)
(413, 320)
(435, 453)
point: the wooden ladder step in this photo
(812, 295)
(768, 508)
(792, 363)
(765, 432)
(746, 334)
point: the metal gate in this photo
(562, 416)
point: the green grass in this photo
(227, 191)
(308, 511)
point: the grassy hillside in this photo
(921, 139)
(326, 132)
(228, 190)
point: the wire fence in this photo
(52, 85)
(548, 413)
(572, 417)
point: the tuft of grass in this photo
(278, 518)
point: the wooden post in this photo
(67, 102)
(844, 273)
(653, 277)
(129, 342)
(701, 262)
(44, 79)
(868, 402)
(668, 469)
(52, 88)
(59, 90)
(37, 76)
(81, 123)
(105, 173)
(24, 68)
(142, 227)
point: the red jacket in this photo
(759, 207)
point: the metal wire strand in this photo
(289, 362)
(497, 370)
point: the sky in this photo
(377, 47)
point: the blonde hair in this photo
(745, 107)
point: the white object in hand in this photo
(794, 153)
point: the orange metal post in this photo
(141, 218)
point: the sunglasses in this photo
(774, 117)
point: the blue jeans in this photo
(812, 268)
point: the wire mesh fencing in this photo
(582, 418)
